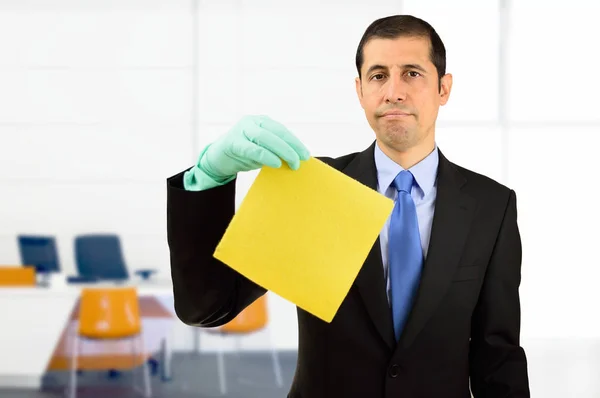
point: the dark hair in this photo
(396, 26)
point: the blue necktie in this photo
(405, 252)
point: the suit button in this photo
(394, 370)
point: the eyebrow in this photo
(405, 66)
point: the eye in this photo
(377, 76)
(413, 73)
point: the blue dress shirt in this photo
(425, 174)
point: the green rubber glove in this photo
(254, 142)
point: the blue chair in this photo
(39, 251)
(99, 256)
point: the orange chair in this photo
(110, 314)
(252, 319)
(17, 276)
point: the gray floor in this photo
(249, 375)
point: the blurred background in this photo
(102, 100)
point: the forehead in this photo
(402, 50)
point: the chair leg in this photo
(145, 370)
(137, 346)
(196, 333)
(133, 363)
(276, 367)
(72, 390)
(237, 341)
(276, 364)
(221, 366)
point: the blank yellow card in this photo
(304, 234)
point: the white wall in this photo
(553, 165)
(95, 106)
(101, 101)
(95, 113)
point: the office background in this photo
(101, 101)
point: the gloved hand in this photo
(253, 142)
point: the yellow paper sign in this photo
(304, 234)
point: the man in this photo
(435, 308)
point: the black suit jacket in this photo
(465, 323)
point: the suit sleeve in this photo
(498, 365)
(207, 292)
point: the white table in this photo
(32, 321)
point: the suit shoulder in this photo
(339, 162)
(484, 186)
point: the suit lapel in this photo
(454, 211)
(370, 281)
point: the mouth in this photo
(395, 115)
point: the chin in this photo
(398, 138)
(398, 133)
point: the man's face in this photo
(399, 92)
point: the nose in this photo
(395, 90)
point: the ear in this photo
(359, 92)
(445, 88)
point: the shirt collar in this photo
(424, 172)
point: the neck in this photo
(409, 157)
